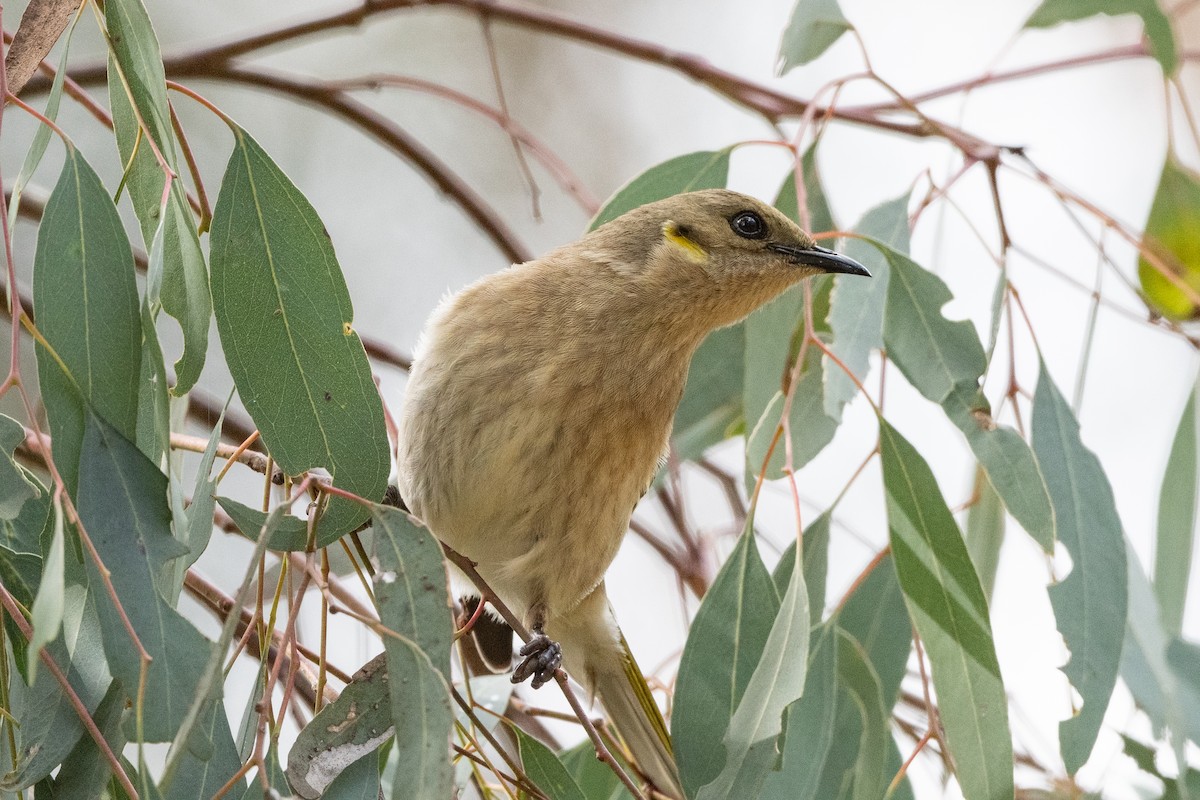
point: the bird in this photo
(539, 407)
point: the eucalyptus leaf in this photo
(712, 397)
(1010, 463)
(753, 739)
(810, 724)
(876, 616)
(122, 504)
(287, 532)
(816, 564)
(705, 169)
(937, 355)
(85, 770)
(286, 325)
(857, 675)
(87, 307)
(16, 486)
(185, 290)
(1174, 214)
(48, 606)
(814, 26)
(411, 595)
(52, 728)
(343, 732)
(1177, 520)
(544, 768)
(949, 611)
(725, 642)
(856, 307)
(985, 531)
(1090, 603)
(1157, 24)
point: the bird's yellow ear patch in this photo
(677, 237)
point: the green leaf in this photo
(752, 741)
(344, 732)
(48, 606)
(839, 766)
(184, 280)
(810, 724)
(154, 414)
(411, 585)
(985, 531)
(768, 360)
(811, 430)
(87, 310)
(1156, 23)
(771, 331)
(1177, 520)
(706, 169)
(85, 770)
(544, 768)
(1010, 463)
(1155, 686)
(594, 778)
(203, 777)
(288, 532)
(41, 138)
(15, 484)
(135, 47)
(950, 613)
(51, 728)
(1090, 603)
(820, 218)
(1184, 658)
(359, 781)
(876, 617)
(411, 595)
(857, 675)
(856, 307)
(285, 321)
(814, 26)
(712, 398)
(122, 504)
(816, 565)
(724, 643)
(199, 526)
(1174, 215)
(935, 354)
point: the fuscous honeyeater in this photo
(540, 402)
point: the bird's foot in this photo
(543, 656)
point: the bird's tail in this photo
(631, 707)
(598, 656)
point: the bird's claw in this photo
(543, 656)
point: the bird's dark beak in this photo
(820, 258)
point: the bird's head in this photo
(719, 244)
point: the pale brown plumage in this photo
(541, 398)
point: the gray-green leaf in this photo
(1177, 520)
(1157, 24)
(724, 644)
(950, 613)
(856, 306)
(286, 326)
(87, 307)
(1090, 603)
(814, 26)
(705, 169)
(411, 595)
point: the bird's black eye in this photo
(748, 225)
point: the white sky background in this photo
(1100, 130)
